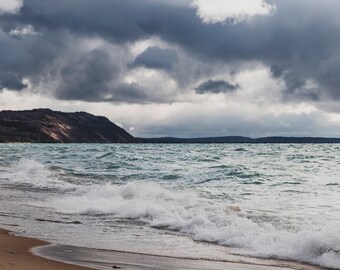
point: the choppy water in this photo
(268, 201)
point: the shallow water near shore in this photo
(193, 201)
(108, 259)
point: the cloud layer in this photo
(214, 11)
(215, 87)
(10, 6)
(165, 52)
(156, 58)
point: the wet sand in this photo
(21, 253)
(15, 255)
(104, 259)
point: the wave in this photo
(35, 174)
(207, 220)
(200, 218)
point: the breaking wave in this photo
(32, 173)
(207, 220)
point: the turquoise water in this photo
(268, 201)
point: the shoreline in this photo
(15, 254)
(22, 253)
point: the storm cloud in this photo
(215, 87)
(164, 52)
(301, 38)
(156, 58)
(10, 81)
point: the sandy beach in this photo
(15, 255)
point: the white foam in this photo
(33, 173)
(206, 220)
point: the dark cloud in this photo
(10, 81)
(295, 87)
(88, 78)
(156, 58)
(215, 87)
(94, 77)
(132, 93)
(299, 42)
(26, 57)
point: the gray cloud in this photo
(156, 58)
(88, 78)
(217, 124)
(215, 87)
(27, 57)
(296, 87)
(10, 81)
(95, 77)
(300, 40)
(132, 93)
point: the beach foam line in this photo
(21, 253)
(105, 259)
(206, 220)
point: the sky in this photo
(185, 68)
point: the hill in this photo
(47, 126)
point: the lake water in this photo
(198, 201)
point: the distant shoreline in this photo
(47, 126)
(205, 140)
(242, 140)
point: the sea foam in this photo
(206, 220)
(187, 212)
(35, 174)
